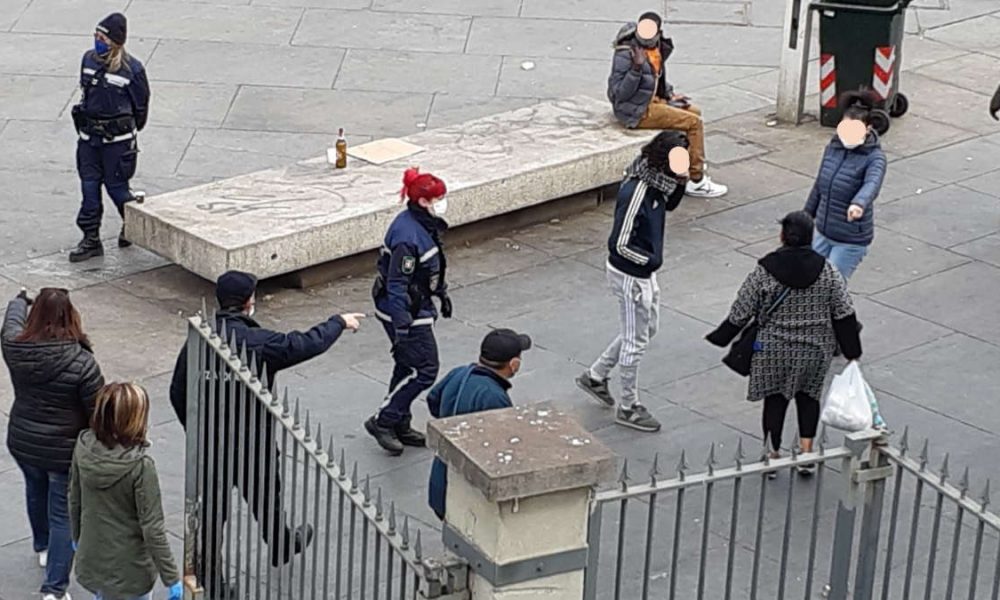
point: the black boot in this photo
(122, 242)
(89, 247)
(409, 436)
(385, 436)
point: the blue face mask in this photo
(101, 47)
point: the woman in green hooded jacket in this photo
(114, 501)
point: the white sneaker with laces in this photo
(43, 558)
(706, 188)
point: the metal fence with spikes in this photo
(302, 524)
(788, 527)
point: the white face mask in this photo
(440, 207)
(253, 309)
(850, 146)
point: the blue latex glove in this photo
(176, 592)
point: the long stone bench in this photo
(283, 220)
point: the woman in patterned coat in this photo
(796, 343)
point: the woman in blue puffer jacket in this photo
(842, 200)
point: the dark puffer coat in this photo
(848, 177)
(55, 384)
(631, 88)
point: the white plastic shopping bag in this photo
(847, 405)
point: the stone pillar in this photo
(519, 486)
(795, 41)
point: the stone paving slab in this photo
(354, 29)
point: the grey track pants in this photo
(638, 322)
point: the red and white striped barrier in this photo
(827, 81)
(885, 65)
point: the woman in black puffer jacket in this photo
(56, 379)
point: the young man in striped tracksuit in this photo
(651, 188)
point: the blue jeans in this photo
(48, 513)
(846, 257)
(146, 596)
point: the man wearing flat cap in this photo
(475, 388)
(275, 351)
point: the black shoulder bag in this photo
(741, 352)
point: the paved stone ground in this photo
(240, 86)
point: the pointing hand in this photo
(352, 320)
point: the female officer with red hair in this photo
(411, 272)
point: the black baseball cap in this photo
(234, 288)
(502, 345)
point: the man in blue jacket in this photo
(475, 388)
(275, 351)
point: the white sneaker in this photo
(53, 597)
(706, 188)
(43, 558)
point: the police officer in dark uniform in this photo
(411, 273)
(112, 110)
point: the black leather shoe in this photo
(385, 436)
(89, 247)
(122, 242)
(409, 436)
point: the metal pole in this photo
(193, 450)
(794, 61)
(847, 508)
(871, 523)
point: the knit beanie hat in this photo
(115, 26)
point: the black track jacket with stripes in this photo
(635, 245)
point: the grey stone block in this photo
(218, 153)
(954, 376)
(585, 10)
(41, 145)
(756, 180)
(38, 98)
(191, 104)
(392, 71)
(688, 288)
(55, 55)
(324, 111)
(550, 453)
(162, 148)
(911, 135)
(978, 33)
(491, 8)
(551, 77)
(66, 16)
(451, 109)
(986, 249)
(535, 37)
(727, 149)
(947, 103)
(921, 216)
(727, 13)
(566, 238)
(971, 71)
(889, 331)
(953, 298)
(896, 259)
(249, 63)
(723, 101)
(357, 29)
(758, 221)
(688, 78)
(957, 162)
(607, 146)
(745, 46)
(205, 22)
(919, 51)
(11, 10)
(986, 184)
(52, 269)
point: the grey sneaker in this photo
(807, 470)
(598, 389)
(637, 417)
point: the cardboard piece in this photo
(383, 151)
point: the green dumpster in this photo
(861, 43)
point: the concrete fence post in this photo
(794, 63)
(519, 487)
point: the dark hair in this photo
(53, 319)
(797, 229)
(657, 150)
(858, 105)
